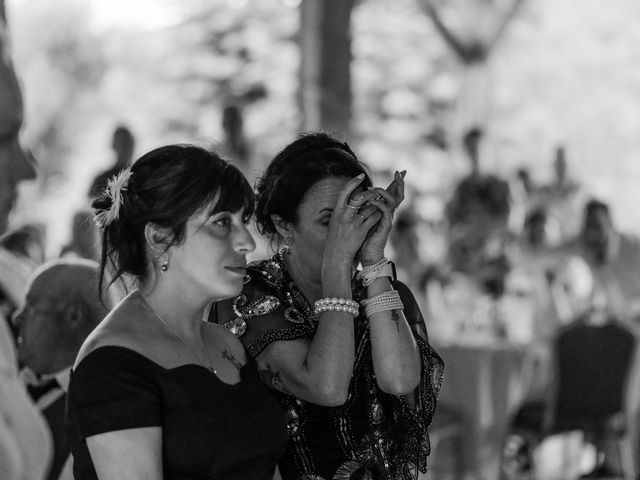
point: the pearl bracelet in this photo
(387, 301)
(370, 273)
(333, 304)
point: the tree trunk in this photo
(481, 24)
(325, 77)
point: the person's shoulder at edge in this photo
(118, 328)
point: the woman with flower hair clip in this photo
(156, 392)
(346, 354)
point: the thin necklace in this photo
(201, 361)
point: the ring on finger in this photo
(378, 197)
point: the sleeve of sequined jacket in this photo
(265, 312)
(414, 413)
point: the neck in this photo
(184, 317)
(309, 283)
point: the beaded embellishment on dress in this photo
(374, 435)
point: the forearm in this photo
(395, 354)
(329, 362)
(317, 370)
(331, 352)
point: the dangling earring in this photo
(286, 246)
(164, 266)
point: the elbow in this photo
(331, 396)
(399, 385)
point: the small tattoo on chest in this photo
(231, 359)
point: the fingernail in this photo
(360, 176)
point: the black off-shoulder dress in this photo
(210, 429)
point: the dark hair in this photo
(123, 131)
(298, 167)
(473, 134)
(535, 216)
(167, 187)
(595, 205)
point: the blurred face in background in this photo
(39, 323)
(15, 166)
(597, 231)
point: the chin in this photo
(230, 293)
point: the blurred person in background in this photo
(479, 208)
(528, 302)
(562, 198)
(613, 258)
(156, 392)
(21, 250)
(28, 241)
(348, 356)
(25, 442)
(405, 241)
(85, 238)
(61, 307)
(123, 145)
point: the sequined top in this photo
(374, 434)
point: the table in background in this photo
(486, 381)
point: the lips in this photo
(237, 270)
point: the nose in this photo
(244, 242)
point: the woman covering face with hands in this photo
(344, 349)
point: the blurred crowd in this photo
(520, 259)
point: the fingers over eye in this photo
(348, 189)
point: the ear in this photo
(158, 239)
(282, 226)
(76, 314)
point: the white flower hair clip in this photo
(115, 187)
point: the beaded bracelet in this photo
(333, 304)
(386, 301)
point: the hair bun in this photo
(103, 202)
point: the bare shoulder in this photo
(122, 327)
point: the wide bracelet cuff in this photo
(387, 301)
(382, 268)
(333, 304)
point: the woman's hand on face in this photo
(385, 202)
(348, 228)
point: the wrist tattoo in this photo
(229, 357)
(395, 316)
